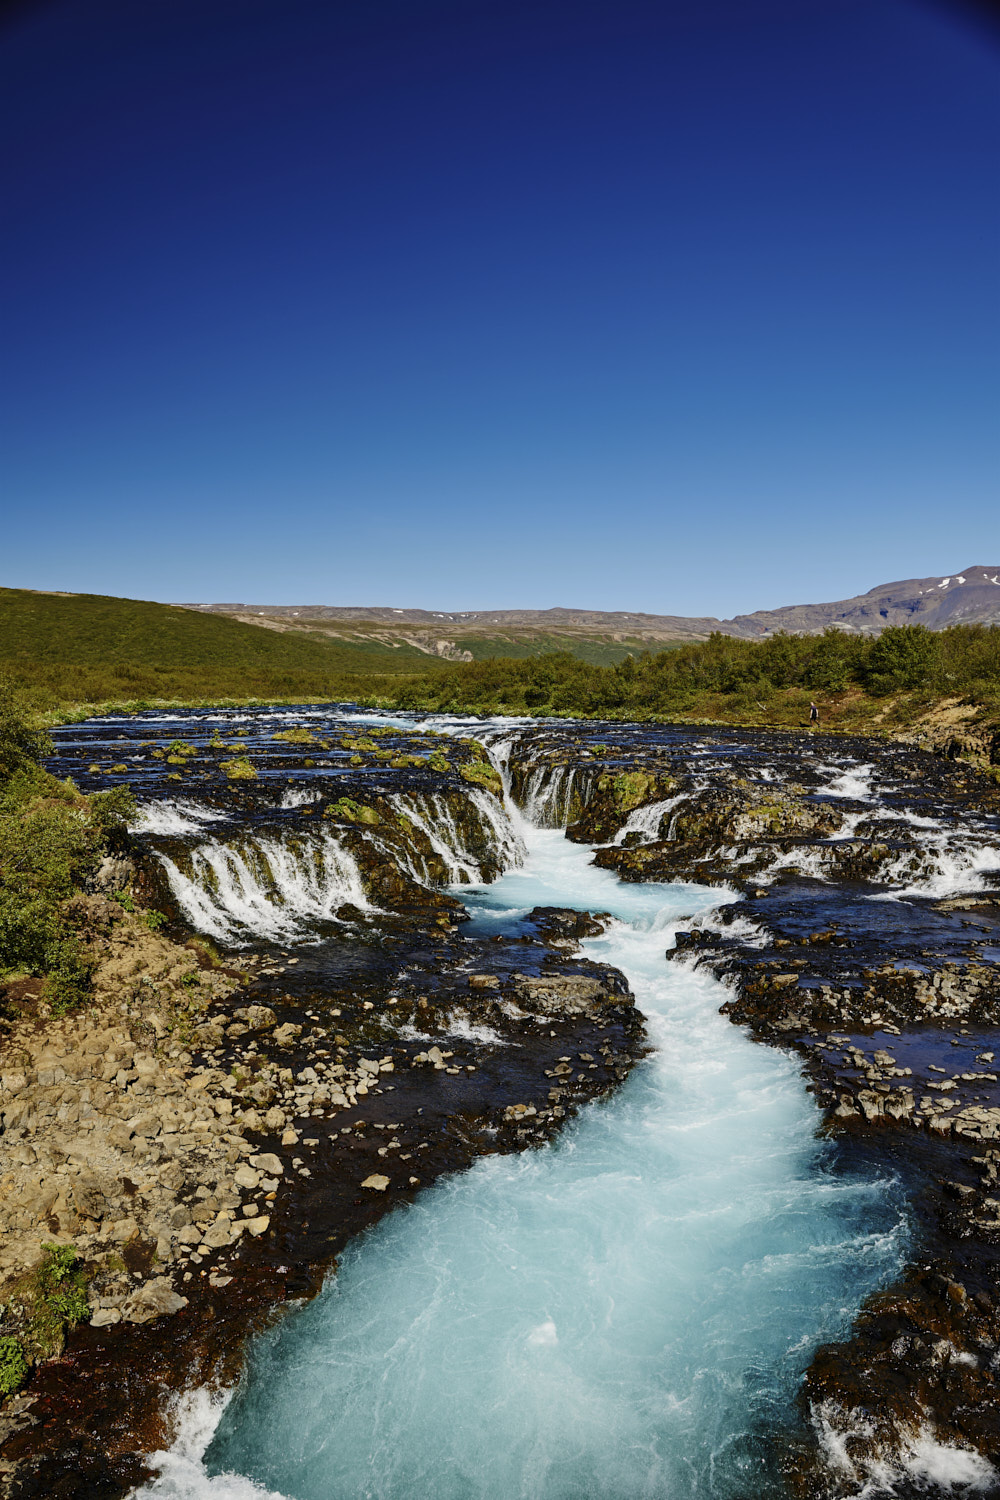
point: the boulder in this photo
(566, 994)
(155, 1299)
(267, 1162)
(259, 1017)
(105, 1316)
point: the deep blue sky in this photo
(683, 307)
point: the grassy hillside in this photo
(91, 648)
(601, 647)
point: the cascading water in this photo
(426, 812)
(548, 796)
(431, 814)
(174, 817)
(265, 887)
(623, 1314)
(645, 821)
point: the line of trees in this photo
(963, 661)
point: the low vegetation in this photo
(71, 653)
(89, 649)
(52, 839)
(857, 681)
(40, 1309)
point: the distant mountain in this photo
(972, 596)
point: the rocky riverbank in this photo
(211, 1130)
(313, 1037)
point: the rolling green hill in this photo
(92, 648)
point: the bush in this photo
(21, 744)
(746, 674)
(903, 656)
(51, 840)
(51, 1299)
(13, 1365)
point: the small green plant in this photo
(347, 810)
(13, 1365)
(54, 1298)
(238, 769)
(68, 979)
(300, 736)
(125, 900)
(480, 773)
(154, 920)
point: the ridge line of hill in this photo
(968, 597)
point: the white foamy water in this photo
(855, 782)
(174, 817)
(953, 868)
(623, 1314)
(548, 795)
(433, 815)
(181, 1468)
(265, 887)
(919, 1458)
(646, 821)
(299, 797)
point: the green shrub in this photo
(13, 1365)
(68, 970)
(54, 1298)
(21, 743)
(51, 840)
(904, 656)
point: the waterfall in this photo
(435, 817)
(265, 887)
(625, 1313)
(646, 820)
(299, 797)
(430, 813)
(496, 816)
(548, 796)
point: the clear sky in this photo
(621, 304)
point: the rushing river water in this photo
(623, 1314)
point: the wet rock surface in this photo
(341, 1041)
